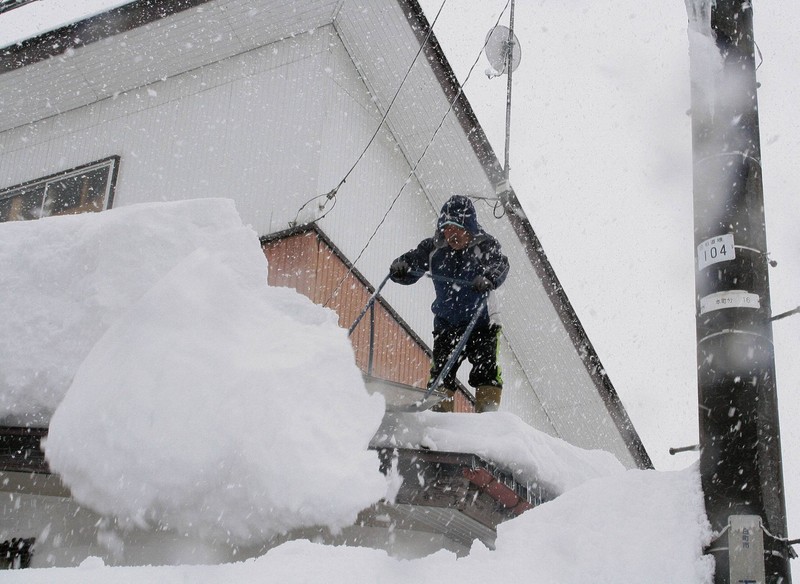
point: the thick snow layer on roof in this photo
(532, 456)
(65, 280)
(189, 394)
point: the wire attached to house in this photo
(498, 211)
(413, 170)
(331, 195)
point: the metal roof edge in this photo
(89, 30)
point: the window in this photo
(86, 189)
(16, 553)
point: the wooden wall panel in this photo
(306, 263)
(292, 262)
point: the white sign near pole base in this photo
(746, 549)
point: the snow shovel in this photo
(353, 326)
(375, 294)
(426, 403)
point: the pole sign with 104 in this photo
(714, 250)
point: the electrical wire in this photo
(760, 56)
(332, 193)
(413, 170)
(498, 211)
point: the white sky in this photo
(203, 400)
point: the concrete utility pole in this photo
(740, 461)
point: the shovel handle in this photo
(370, 302)
(419, 274)
(451, 360)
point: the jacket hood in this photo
(459, 210)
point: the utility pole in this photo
(740, 460)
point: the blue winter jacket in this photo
(456, 301)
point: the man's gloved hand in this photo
(482, 284)
(399, 269)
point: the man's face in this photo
(456, 237)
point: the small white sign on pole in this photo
(714, 250)
(729, 299)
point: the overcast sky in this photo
(601, 159)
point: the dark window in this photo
(16, 553)
(87, 189)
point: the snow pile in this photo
(636, 527)
(65, 280)
(202, 400)
(642, 526)
(532, 456)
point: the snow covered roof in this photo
(143, 42)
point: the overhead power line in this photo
(331, 195)
(413, 170)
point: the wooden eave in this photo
(313, 227)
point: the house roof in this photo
(104, 55)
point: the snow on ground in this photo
(634, 528)
(189, 395)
